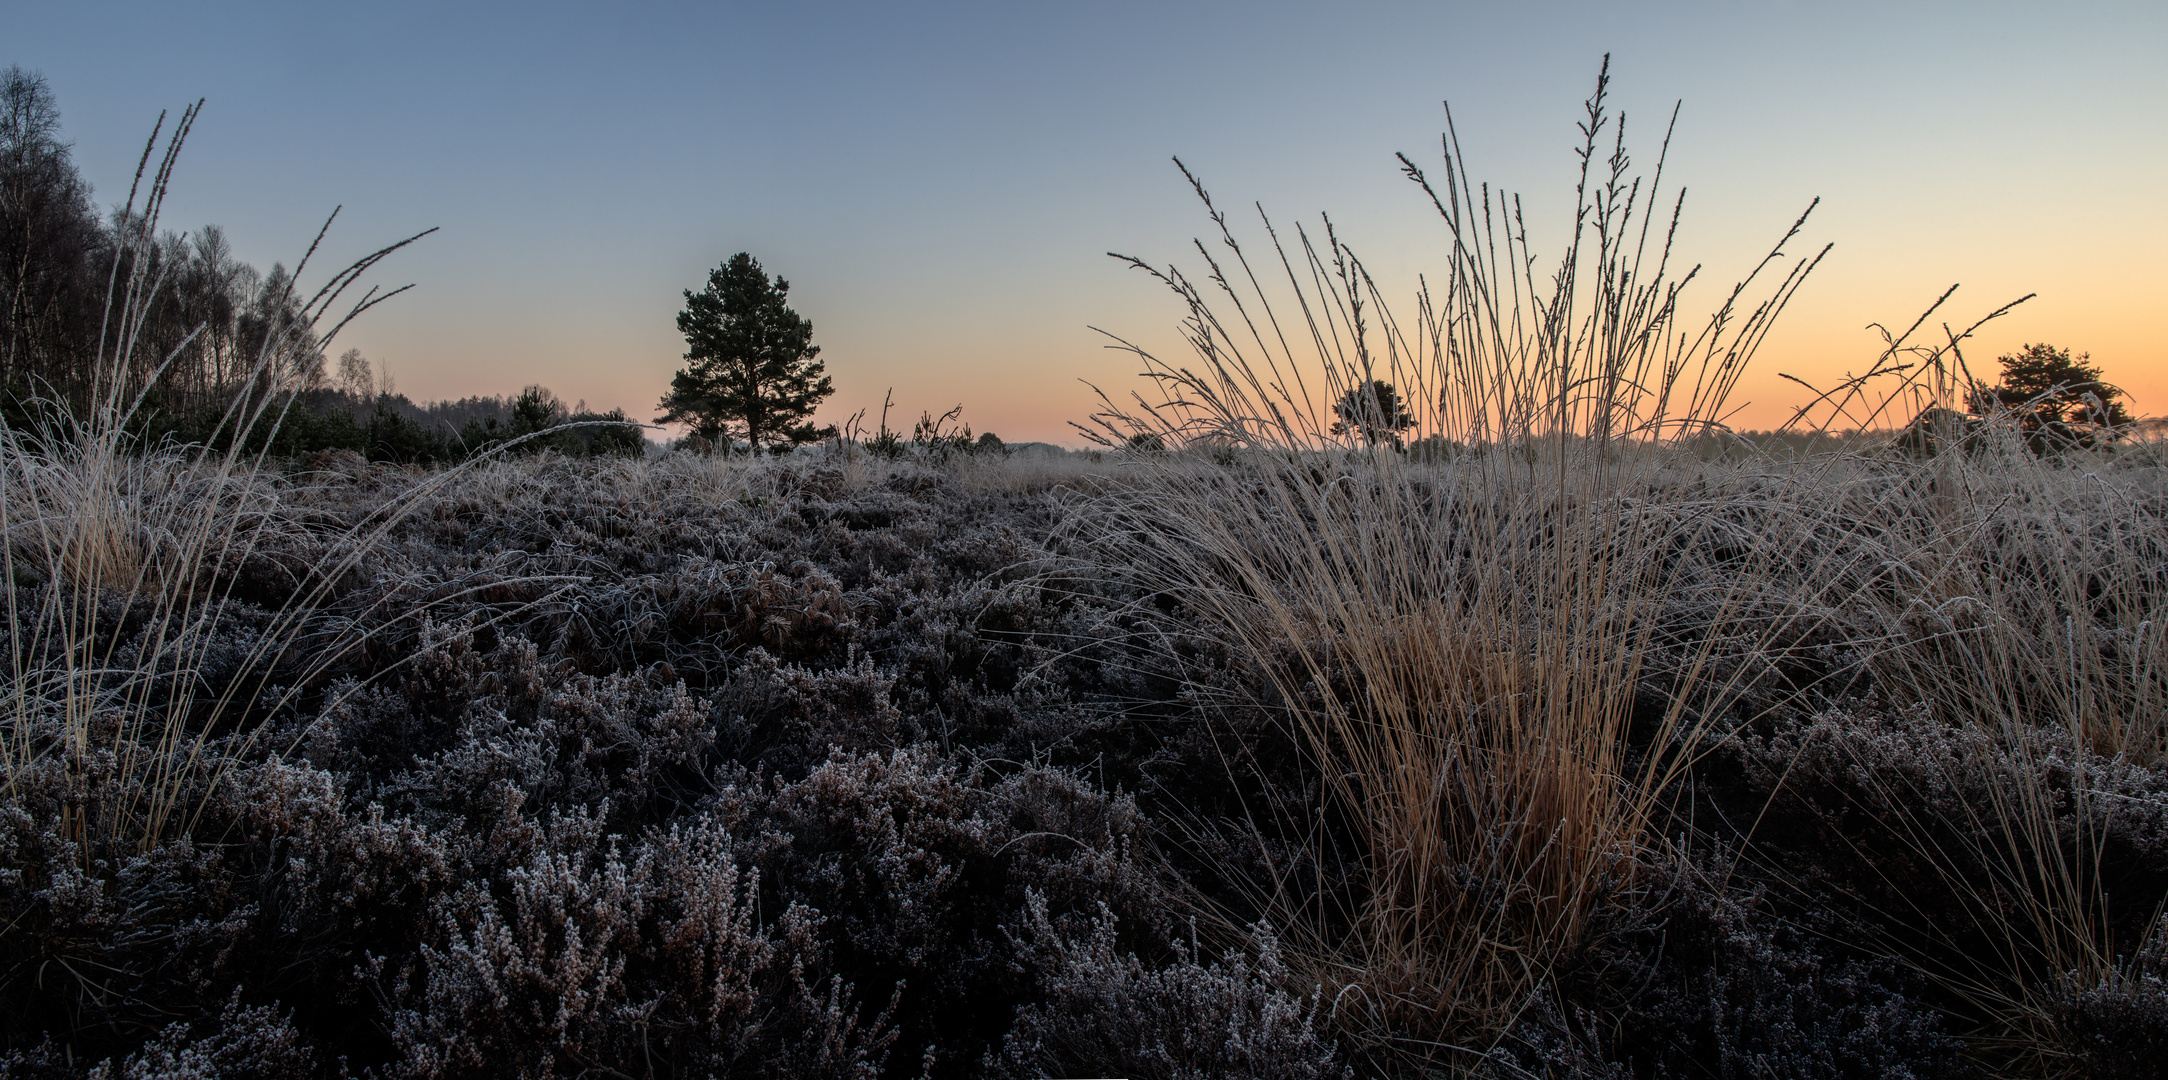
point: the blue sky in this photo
(940, 182)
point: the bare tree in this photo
(355, 378)
(49, 239)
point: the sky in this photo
(940, 182)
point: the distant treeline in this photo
(392, 427)
(201, 329)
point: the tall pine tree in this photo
(750, 371)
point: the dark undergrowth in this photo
(841, 767)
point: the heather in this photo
(836, 764)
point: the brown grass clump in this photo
(1461, 634)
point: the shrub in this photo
(392, 437)
(1106, 1013)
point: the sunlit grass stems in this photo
(101, 531)
(1475, 628)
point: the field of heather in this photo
(1130, 763)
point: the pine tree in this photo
(2058, 400)
(750, 372)
(1374, 411)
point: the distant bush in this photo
(1434, 448)
(612, 434)
(397, 438)
(388, 427)
(535, 411)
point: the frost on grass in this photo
(822, 768)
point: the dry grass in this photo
(1462, 647)
(1502, 650)
(100, 530)
(2021, 605)
(2015, 598)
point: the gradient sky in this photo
(939, 182)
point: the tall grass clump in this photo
(133, 683)
(1498, 645)
(1509, 581)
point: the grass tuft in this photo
(126, 562)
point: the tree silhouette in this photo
(2058, 400)
(1374, 411)
(50, 242)
(751, 371)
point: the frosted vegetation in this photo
(1551, 732)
